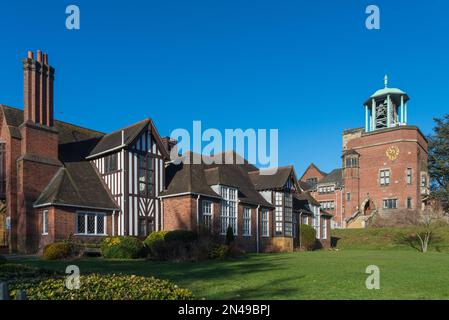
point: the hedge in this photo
(106, 287)
(308, 237)
(122, 248)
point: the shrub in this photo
(57, 251)
(229, 235)
(3, 260)
(106, 287)
(122, 248)
(219, 252)
(308, 237)
(181, 235)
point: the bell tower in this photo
(386, 108)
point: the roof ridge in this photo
(56, 120)
(127, 127)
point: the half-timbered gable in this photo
(131, 163)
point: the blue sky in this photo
(303, 67)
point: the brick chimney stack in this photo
(38, 89)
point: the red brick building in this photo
(60, 180)
(264, 210)
(384, 168)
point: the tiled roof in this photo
(198, 179)
(269, 179)
(336, 176)
(76, 183)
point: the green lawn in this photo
(311, 275)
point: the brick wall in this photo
(372, 148)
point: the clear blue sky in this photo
(304, 67)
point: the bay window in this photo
(90, 223)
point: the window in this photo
(324, 235)
(352, 162)
(348, 196)
(246, 221)
(110, 163)
(305, 220)
(312, 181)
(326, 189)
(145, 175)
(423, 180)
(328, 205)
(90, 223)
(45, 222)
(316, 220)
(390, 203)
(288, 225)
(409, 176)
(207, 214)
(384, 177)
(409, 203)
(228, 209)
(265, 223)
(145, 227)
(278, 214)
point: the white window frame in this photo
(265, 223)
(228, 212)
(385, 201)
(86, 214)
(288, 215)
(246, 222)
(207, 210)
(279, 213)
(384, 178)
(324, 233)
(45, 222)
(409, 176)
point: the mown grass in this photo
(405, 274)
(386, 238)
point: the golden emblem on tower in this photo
(392, 153)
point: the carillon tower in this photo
(386, 108)
(385, 163)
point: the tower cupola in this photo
(386, 108)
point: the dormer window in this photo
(312, 181)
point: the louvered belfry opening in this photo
(38, 89)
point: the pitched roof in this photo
(269, 179)
(119, 138)
(335, 176)
(67, 132)
(306, 196)
(199, 177)
(305, 186)
(76, 183)
(312, 165)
